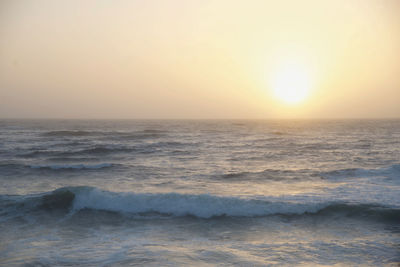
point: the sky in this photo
(204, 59)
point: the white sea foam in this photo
(204, 205)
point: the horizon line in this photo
(202, 119)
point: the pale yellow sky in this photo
(197, 59)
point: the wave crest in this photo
(202, 206)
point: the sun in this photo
(291, 83)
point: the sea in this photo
(200, 192)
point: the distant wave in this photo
(74, 199)
(100, 150)
(269, 174)
(92, 150)
(4, 166)
(392, 171)
(147, 133)
(105, 149)
(72, 166)
(69, 133)
(13, 167)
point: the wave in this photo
(74, 199)
(93, 150)
(13, 167)
(106, 149)
(100, 150)
(72, 166)
(392, 171)
(71, 159)
(270, 174)
(68, 133)
(147, 133)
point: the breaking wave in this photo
(74, 199)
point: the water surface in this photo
(248, 193)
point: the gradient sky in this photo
(197, 59)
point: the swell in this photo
(72, 166)
(68, 133)
(74, 199)
(9, 167)
(94, 150)
(108, 149)
(392, 171)
(269, 174)
(148, 133)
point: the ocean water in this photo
(199, 193)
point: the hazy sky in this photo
(197, 59)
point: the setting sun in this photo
(291, 83)
(200, 133)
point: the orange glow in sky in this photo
(200, 59)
